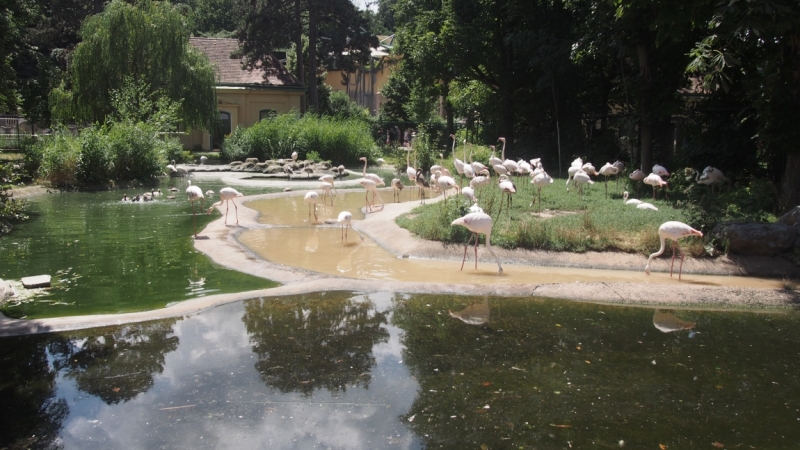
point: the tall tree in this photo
(147, 43)
(755, 45)
(334, 28)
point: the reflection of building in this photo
(363, 86)
(243, 96)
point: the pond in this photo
(107, 256)
(383, 370)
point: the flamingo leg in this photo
(680, 268)
(672, 263)
(227, 207)
(476, 251)
(194, 222)
(465, 250)
(315, 214)
(540, 200)
(606, 187)
(375, 193)
(236, 210)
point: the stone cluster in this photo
(763, 239)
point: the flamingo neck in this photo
(489, 247)
(365, 169)
(659, 252)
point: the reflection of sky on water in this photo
(218, 399)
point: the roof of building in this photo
(229, 68)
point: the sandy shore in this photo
(220, 243)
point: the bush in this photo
(137, 151)
(95, 164)
(338, 140)
(60, 153)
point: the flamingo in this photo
(509, 188)
(469, 194)
(176, 171)
(469, 171)
(195, 193)
(311, 198)
(329, 179)
(580, 179)
(294, 156)
(637, 175)
(227, 194)
(607, 170)
(645, 205)
(203, 159)
(209, 193)
(673, 230)
(380, 162)
(437, 167)
(573, 169)
(480, 180)
(620, 169)
(422, 183)
(371, 186)
(371, 176)
(444, 182)
(341, 170)
(541, 180)
(710, 177)
(493, 160)
(477, 223)
(397, 188)
(660, 170)
(656, 181)
(345, 219)
(508, 164)
(633, 201)
(326, 191)
(410, 171)
(459, 164)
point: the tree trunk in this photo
(298, 42)
(645, 109)
(312, 56)
(448, 109)
(790, 186)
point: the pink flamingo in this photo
(478, 222)
(195, 193)
(227, 194)
(672, 230)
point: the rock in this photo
(251, 161)
(274, 168)
(235, 163)
(766, 239)
(5, 290)
(288, 189)
(36, 281)
(791, 218)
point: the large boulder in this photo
(791, 218)
(765, 239)
(5, 290)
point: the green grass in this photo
(567, 222)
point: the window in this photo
(267, 114)
(225, 123)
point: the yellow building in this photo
(364, 85)
(243, 96)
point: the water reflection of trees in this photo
(32, 416)
(553, 372)
(321, 341)
(116, 364)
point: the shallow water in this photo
(299, 243)
(341, 370)
(106, 256)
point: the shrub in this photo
(95, 164)
(137, 151)
(60, 153)
(342, 141)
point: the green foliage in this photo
(342, 141)
(95, 164)
(341, 107)
(10, 208)
(149, 44)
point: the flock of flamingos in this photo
(477, 221)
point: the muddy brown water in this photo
(292, 240)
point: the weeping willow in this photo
(148, 43)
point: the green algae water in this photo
(109, 256)
(384, 370)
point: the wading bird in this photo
(311, 198)
(459, 164)
(541, 180)
(710, 177)
(371, 176)
(370, 186)
(656, 181)
(607, 170)
(421, 183)
(195, 193)
(397, 188)
(346, 219)
(326, 191)
(633, 201)
(329, 179)
(478, 223)
(673, 230)
(509, 188)
(225, 195)
(580, 179)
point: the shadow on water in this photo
(343, 370)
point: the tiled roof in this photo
(230, 70)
